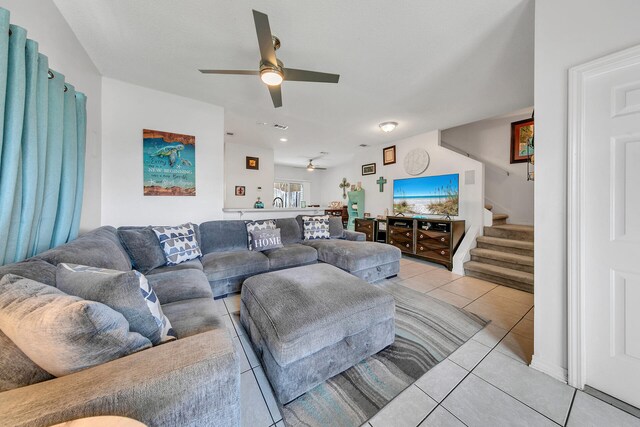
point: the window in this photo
(289, 192)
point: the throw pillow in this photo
(178, 243)
(127, 292)
(141, 243)
(316, 227)
(264, 224)
(336, 229)
(62, 333)
(266, 239)
(16, 369)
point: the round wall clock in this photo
(416, 161)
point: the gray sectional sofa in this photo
(194, 380)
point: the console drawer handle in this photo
(442, 252)
(408, 234)
(421, 248)
(407, 245)
(442, 239)
(391, 242)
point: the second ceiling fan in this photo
(272, 71)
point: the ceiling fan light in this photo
(271, 77)
(388, 126)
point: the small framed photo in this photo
(369, 169)
(521, 140)
(389, 155)
(367, 215)
(253, 163)
(240, 190)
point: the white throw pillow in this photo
(316, 227)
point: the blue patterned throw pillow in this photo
(178, 243)
(263, 224)
(316, 227)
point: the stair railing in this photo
(474, 157)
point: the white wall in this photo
(128, 109)
(45, 24)
(236, 173)
(567, 33)
(443, 161)
(313, 181)
(490, 141)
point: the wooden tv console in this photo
(434, 240)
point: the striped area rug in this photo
(427, 331)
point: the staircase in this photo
(504, 255)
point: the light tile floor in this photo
(486, 382)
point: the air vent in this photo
(281, 127)
(324, 153)
(230, 134)
(364, 145)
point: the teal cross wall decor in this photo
(381, 182)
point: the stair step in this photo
(488, 207)
(504, 276)
(510, 231)
(503, 259)
(518, 247)
(500, 219)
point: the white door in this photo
(610, 236)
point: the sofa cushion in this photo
(62, 333)
(223, 265)
(16, 369)
(291, 255)
(262, 240)
(179, 243)
(194, 264)
(290, 231)
(354, 256)
(128, 293)
(336, 229)
(34, 269)
(194, 316)
(97, 248)
(262, 224)
(143, 247)
(223, 236)
(171, 286)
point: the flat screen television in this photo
(426, 195)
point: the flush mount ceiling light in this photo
(283, 139)
(388, 126)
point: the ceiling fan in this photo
(311, 167)
(272, 71)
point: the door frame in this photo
(579, 77)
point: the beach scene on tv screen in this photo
(427, 195)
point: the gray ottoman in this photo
(310, 323)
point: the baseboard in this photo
(554, 371)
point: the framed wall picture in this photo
(521, 140)
(240, 190)
(253, 163)
(169, 163)
(369, 169)
(389, 155)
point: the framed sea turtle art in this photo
(169, 162)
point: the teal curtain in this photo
(42, 149)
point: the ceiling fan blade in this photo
(244, 72)
(276, 95)
(291, 74)
(265, 40)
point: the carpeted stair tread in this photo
(488, 207)
(503, 256)
(500, 216)
(510, 231)
(499, 219)
(499, 272)
(508, 243)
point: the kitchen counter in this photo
(269, 213)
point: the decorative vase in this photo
(258, 204)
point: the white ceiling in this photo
(427, 64)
